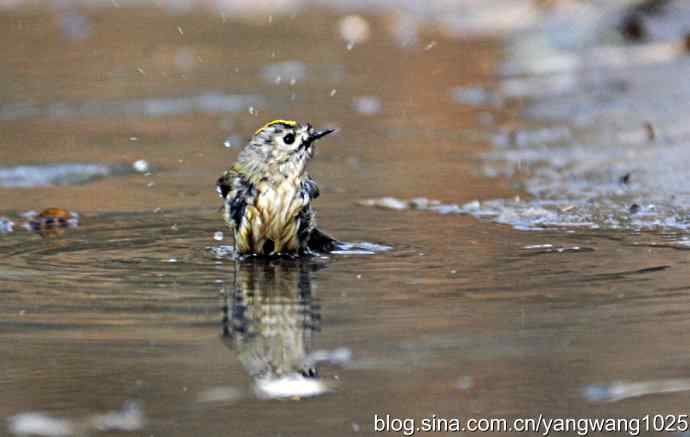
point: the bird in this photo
(267, 193)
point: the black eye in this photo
(289, 138)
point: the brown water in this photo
(460, 318)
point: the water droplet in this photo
(430, 45)
(367, 105)
(141, 165)
(354, 29)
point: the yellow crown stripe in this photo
(290, 123)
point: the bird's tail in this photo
(322, 243)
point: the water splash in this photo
(291, 386)
(360, 248)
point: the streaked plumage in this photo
(268, 193)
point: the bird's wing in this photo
(320, 242)
(310, 187)
(224, 184)
(236, 191)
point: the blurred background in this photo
(513, 174)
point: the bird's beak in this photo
(315, 134)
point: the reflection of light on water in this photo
(129, 418)
(220, 394)
(295, 71)
(41, 425)
(367, 105)
(536, 214)
(6, 225)
(609, 150)
(25, 176)
(156, 107)
(618, 391)
(360, 248)
(75, 26)
(343, 248)
(453, 17)
(340, 356)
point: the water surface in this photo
(462, 317)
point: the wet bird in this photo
(268, 193)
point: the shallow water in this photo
(461, 317)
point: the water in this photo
(602, 143)
(139, 321)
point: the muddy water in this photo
(462, 317)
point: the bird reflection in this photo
(269, 320)
(52, 222)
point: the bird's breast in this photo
(278, 206)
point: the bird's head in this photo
(284, 146)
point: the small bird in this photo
(268, 193)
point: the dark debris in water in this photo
(46, 222)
